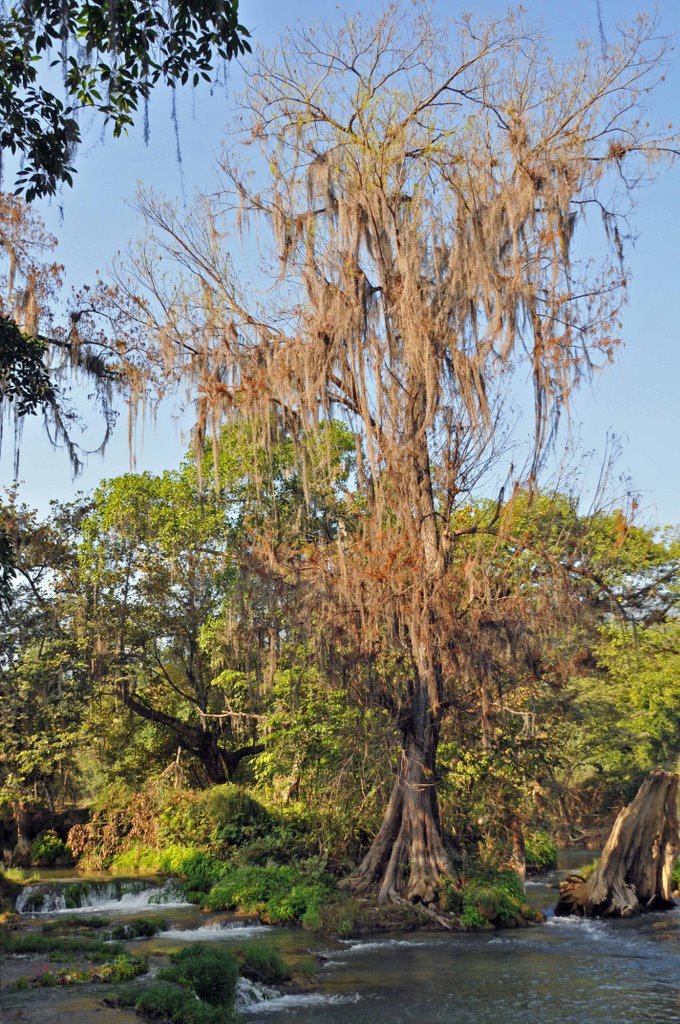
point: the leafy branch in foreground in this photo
(111, 57)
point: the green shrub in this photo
(540, 850)
(159, 827)
(676, 875)
(48, 849)
(491, 896)
(302, 903)
(249, 888)
(238, 818)
(222, 815)
(264, 964)
(194, 896)
(172, 1004)
(212, 974)
(124, 968)
(278, 893)
(289, 838)
(201, 871)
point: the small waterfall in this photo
(254, 997)
(252, 993)
(119, 894)
(37, 899)
(217, 930)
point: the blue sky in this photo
(636, 399)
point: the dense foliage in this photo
(145, 619)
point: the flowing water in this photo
(119, 894)
(568, 971)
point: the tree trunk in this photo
(518, 857)
(635, 869)
(408, 858)
(22, 850)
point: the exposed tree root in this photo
(444, 922)
(407, 859)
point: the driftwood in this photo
(635, 869)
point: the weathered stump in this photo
(635, 870)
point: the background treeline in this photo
(165, 672)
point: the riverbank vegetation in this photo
(355, 648)
(118, 667)
(197, 983)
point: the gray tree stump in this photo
(635, 869)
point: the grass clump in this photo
(172, 1004)
(124, 967)
(264, 964)
(494, 897)
(9, 890)
(90, 924)
(138, 928)
(198, 987)
(586, 870)
(59, 948)
(211, 974)
(341, 916)
(346, 917)
(200, 870)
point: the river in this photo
(568, 971)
